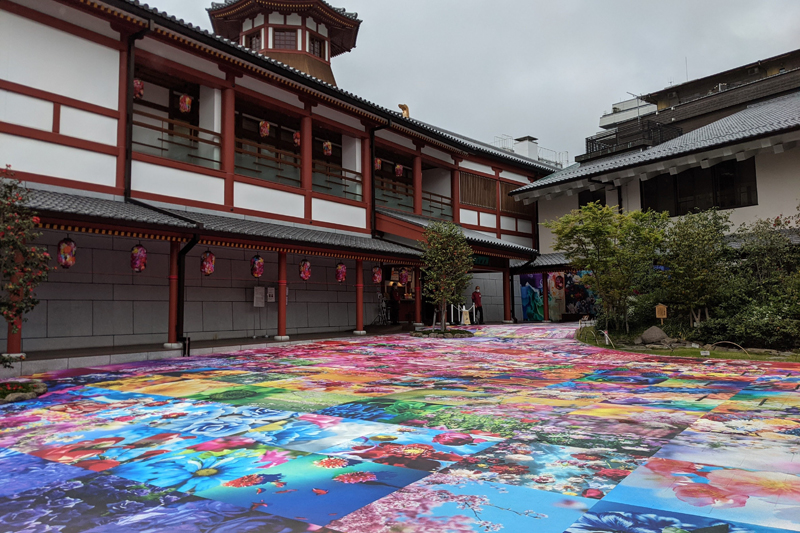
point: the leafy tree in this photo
(448, 261)
(618, 250)
(694, 252)
(23, 267)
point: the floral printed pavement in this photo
(520, 428)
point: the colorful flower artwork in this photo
(138, 258)
(305, 270)
(327, 148)
(67, 250)
(207, 263)
(185, 103)
(341, 272)
(257, 266)
(519, 428)
(138, 89)
(263, 129)
(377, 274)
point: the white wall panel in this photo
(88, 126)
(294, 20)
(514, 176)
(438, 154)
(397, 139)
(525, 226)
(468, 216)
(516, 239)
(42, 57)
(437, 181)
(55, 160)
(26, 111)
(335, 213)
(551, 210)
(157, 179)
(268, 200)
(351, 153)
(488, 220)
(339, 117)
(471, 165)
(508, 223)
(73, 16)
(269, 90)
(179, 56)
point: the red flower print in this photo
(245, 481)
(593, 493)
(613, 473)
(453, 439)
(331, 462)
(704, 494)
(509, 469)
(355, 477)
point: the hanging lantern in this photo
(207, 263)
(305, 269)
(377, 274)
(257, 266)
(327, 148)
(296, 138)
(138, 258)
(66, 252)
(263, 128)
(398, 171)
(138, 89)
(341, 272)
(402, 276)
(377, 164)
(185, 103)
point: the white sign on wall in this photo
(258, 296)
(271, 294)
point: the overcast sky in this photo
(543, 68)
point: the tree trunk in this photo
(442, 308)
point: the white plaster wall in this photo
(178, 56)
(247, 25)
(157, 179)
(276, 18)
(73, 16)
(323, 30)
(491, 284)
(488, 220)
(88, 126)
(294, 20)
(437, 181)
(299, 39)
(631, 196)
(269, 90)
(437, 154)
(26, 155)
(508, 223)
(551, 210)
(268, 200)
(514, 176)
(524, 225)
(336, 213)
(339, 117)
(210, 115)
(517, 239)
(778, 182)
(44, 58)
(468, 216)
(259, 20)
(397, 139)
(351, 153)
(471, 165)
(26, 111)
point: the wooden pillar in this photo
(14, 341)
(281, 336)
(122, 127)
(366, 179)
(497, 207)
(360, 298)
(417, 173)
(546, 296)
(228, 145)
(455, 194)
(306, 162)
(507, 296)
(172, 332)
(417, 297)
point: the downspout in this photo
(182, 281)
(129, 103)
(372, 171)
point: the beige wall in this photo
(551, 210)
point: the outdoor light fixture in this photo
(207, 261)
(67, 249)
(305, 269)
(257, 266)
(138, 258)
(377, 274)
(341, 272)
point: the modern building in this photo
(234, 153)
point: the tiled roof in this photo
(234, 49)
(759, 120)
(547, 260)
(342, 11)
(472, 236)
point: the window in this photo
(478, 191)
(727, 185)
(284, 40)
(253, 40)
(316, 47)
(587, 197)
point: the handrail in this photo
(176, 123)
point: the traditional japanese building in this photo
(220, 185)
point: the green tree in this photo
(448, 261)
(23, 266)
(618, 250)
(694, 252)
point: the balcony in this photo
(329, 178)
(176, 140)
(393, 194)
(437, 206)
(268, 163)
(640, 134)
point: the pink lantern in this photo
(138, 258)
(378, 163)
(398, 170)
(402, 276)
(207, 261)
(185, 103)
(66, 252)
(296, 138)
(257, 266)
(327, 148)
(377, 274)
(305, 269)
(263, 128)
(138, 89)
(341, 272)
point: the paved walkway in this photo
(519, 429)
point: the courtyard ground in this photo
(518, 429)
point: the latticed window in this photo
(316, 47)
(284, 40)
(478, 191)
(508, 204)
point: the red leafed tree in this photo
(23, 266)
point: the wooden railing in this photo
(394, 194)
(176, 140)
(267, 162)
(337, 181)
(437, 206)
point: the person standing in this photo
(476, 299)
(395, 302)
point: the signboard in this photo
(258, 296)
(705, 352)
(271, 294)
(661, 312)
(480, 260)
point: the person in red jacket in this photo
(476, 299)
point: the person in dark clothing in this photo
(476, 299)
(395, 305)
